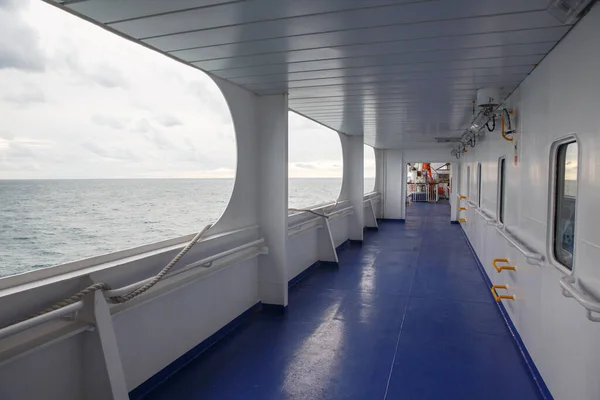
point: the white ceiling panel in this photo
(112, 11)
(221, 42)
(397, 71)
(385, 64)
(549, 35)
(380, 52)
(460, 77)
(352, 76)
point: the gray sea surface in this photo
(50, 222)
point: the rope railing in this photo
(324, 214)
(67, 304)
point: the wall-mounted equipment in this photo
(487, 102)
(569, 11)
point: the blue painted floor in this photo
(406, 316)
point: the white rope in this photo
(325, 213)
(134, 293)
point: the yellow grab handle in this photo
(462, 220)
(462, 197)
(503, 133)
(500, 297)
(504, 267)
(462, 209)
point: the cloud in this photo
(107, 76)
(167, 120)
(142, 126)
(26, 95)
(109, 121)
(110, 153)
(99, 72)
(160, 140)
(22, 54)
(7, 135)
(19, 150)
(305, 166)
(120, 110)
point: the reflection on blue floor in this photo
(406, 316)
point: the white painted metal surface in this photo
(393, 70)
(557, 330)
(397, 72)
(35, 321)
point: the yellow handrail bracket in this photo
(462, 220)
(503, 267)
(462, 209)
(503, 296)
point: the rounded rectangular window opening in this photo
(565, 202)
(469, 182)
(501, 189)
(479, 185)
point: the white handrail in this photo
(35, 321)
(532, 258)
(303, 229)
(488, 219)
(341, 210)
(472, 203)
(302, 223)
(208, 260)
(72, 308)
(341, 213)
(569, 289)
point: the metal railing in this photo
(422, 192)
(532, 258)
(572, 287)
(207, 263)
(487, 218)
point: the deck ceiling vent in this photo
(569, 11)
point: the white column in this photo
(394, 195)
(260, 194)
(272, 122)
(380, 179)
(353, 182)
(454, 189)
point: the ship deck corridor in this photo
(407, 315)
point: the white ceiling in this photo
(400, 71)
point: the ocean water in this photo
(49, 222)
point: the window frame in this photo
(501, 196)
(469, 182)
(552, 202)
(479, 185)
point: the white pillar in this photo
(380, 179)
(353, 182)
(260, 194)
(394, 182)
(272, 120)
(454, 190)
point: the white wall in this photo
(560, 98)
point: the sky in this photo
(79, 102)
